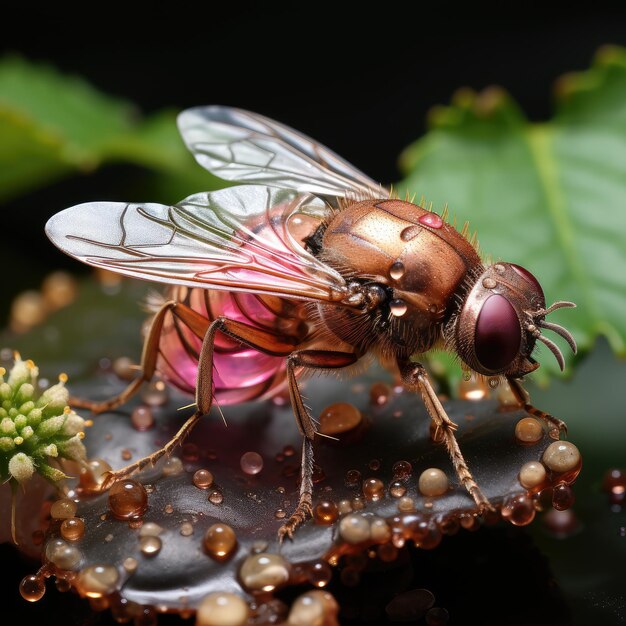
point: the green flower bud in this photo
(21, 467)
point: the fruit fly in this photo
(307, 264)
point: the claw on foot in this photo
(300, 515)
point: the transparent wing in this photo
(241, 146)
(238, 239)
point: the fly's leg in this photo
(197, 323)
(311, 359)
(261, 340)
(415, 377)
(522, 397)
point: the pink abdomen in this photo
(240, 373)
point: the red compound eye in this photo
(524, 273)
(498, 334)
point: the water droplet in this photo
(379, 529)
(127, 498)
(63, 509)
(72, 528)
(472, 388)
(63, 585)
(489, 283)
(125, 368)
(92, 476)
(353, 478)
(172, 466)
(32, 588)
(398, 307)
(401, 470)
(562, 497)
(280, 514)
(251, 463)
(96, 581)
(354, 528)
(379, 394)
(431, 219)
(532, 474)
(529, 430)
(141, 418)
(397, 269)
(150, 529)
(168, 508)
(319, 573)
(222, 609)
(313, 608)
(358, 503)
(374, 464)
(63, 555)
(130, 564)
(344, 507)
(203, 479)
(289, 451)
(339, 418)
(561, 456)
(264, 572)
(433, 482)
(155, 393)
(519, 510)
(406, 504)
(397, 489)
(186, 529)
(150, 545)
(216, 497)
(373, 489)
(325, 512)
(505, 396)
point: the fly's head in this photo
(500, 321)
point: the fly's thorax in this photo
(492, 332)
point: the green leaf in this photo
(547, 196)
(53, 125)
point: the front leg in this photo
(416, 378)
(522, 397)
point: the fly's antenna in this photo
(536, 322)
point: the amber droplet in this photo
(519, 510)
(398, 307)
(325, 512)
(354, 528)
(264, 572)
(216, 497)
(562, 497)
(379, 529)
(127, 498)
(203, 479)
(614, 481)
(150, 545)
(506, 397)
(289, 451)
(222, 609)
(339, 418)
(561, 456)
(431, 219)
(358, 503)
(186, 529)
(532, 474)
(406, 504)
(63, 585)
(168, 508)
(529, 430)
(32, 588)
(397, 489)
(63, 555)
(130, 564)
(379, 394)
(220, 541)
(433, 482)
(96, 581)
(373, 489)
(72, 528)
(374, 465)
(319, 573)
(344, 507)
(141, 418)
(401, 470)
(92, 476)
(561, 524)
(353, 478)
(251, 463)
(63, 509)
(172, 466)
